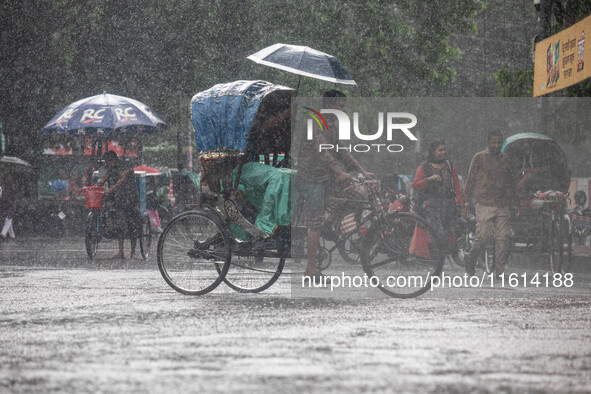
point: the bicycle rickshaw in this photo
(96, 125)
(244, 230)
(541, 224)
(100, 223)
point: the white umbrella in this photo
(11, 160)
(13, 164)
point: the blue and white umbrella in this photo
(105, 115)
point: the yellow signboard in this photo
(561, 60)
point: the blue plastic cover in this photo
(223, 115)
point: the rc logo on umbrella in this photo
(125, 114)
(91, 116)
(66, 116)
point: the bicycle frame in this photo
(373, 204)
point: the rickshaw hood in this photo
(223, 115)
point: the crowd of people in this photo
(67, 186)
(491, 186)
(323, 174)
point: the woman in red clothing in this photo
(440, 195)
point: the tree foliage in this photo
(163, 52)
(517, 83)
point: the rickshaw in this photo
(186, 186)
(93, 126)
(541, 224)
(581, 219)
(100, 224)
(244, 228)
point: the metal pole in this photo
(179, 139)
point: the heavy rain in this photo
(224, 196)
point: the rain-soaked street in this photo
(70, 325)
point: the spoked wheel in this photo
(253, 272)
(567, 243)
(91, 238)
(555, 247)
(401, 251)
(350, 248)
(145, 237)
(300, 258)
(567, 256)
(194, 253)
(489, 258)
(323, 256)
(463, 245)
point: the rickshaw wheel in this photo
(145, 237)
(567, 257)
(253, 273)
(489, 257)
(349, 249)
(194, 253)
(91, 239)
(392, 253)
(555, 247)
(323, 256)
(463, 248)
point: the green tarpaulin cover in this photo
(194, 177)
(268, 189)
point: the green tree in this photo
(519, 83)
(162, 53)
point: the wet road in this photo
(69, 325)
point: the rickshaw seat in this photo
(218, 171)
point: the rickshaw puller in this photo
(318, 171)
(490, 181)
(121, 180)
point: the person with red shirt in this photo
(440, 195)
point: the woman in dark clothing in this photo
(120, 180)
(440, 194)
(7, 204)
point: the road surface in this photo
(70, 325)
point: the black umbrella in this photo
(304, 61)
